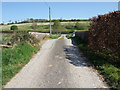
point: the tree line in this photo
(31, 20)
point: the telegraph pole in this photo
(50, 21)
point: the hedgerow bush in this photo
(57, 27)
(69, 26)
(80, 26)
(14, 27)
(104, 36)
(24, 36)
(34, 25)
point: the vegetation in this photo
(57, 27)
(34, 26)
(55, 36)
(2, 24)
(68, 36)
(18, 38)
(110, 72)
(104, 36)
(80, 26)
(70, 26)
(13, 59)
(14, 27)
(6, 38)
(77, 26)
(62, 27)
(31, 20)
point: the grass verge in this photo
(24, 46)
(14, 59)
(110, 72)
(68, 36)
(55, 36)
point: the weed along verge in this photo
(110, 72)
(14, 58)
(55, 36)
(103, 46)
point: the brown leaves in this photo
(105, 32)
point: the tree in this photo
(34, 25)
(2, 24)
(16, 22)
(79, 26)
(14, 27)
(57, 26)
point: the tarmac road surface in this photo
(58, 64)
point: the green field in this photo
(66, 26)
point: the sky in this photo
(17, 11)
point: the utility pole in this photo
(50, 21)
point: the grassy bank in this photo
(110, 72)
(14, 58)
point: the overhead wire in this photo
(49, 6)
(46, 3)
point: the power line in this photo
(51, 8)
(46, 3)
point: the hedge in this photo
(14, 27)
(104, 36)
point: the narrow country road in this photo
(57, 65)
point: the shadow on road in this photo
(75, 56)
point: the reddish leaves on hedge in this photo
(104, 33)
